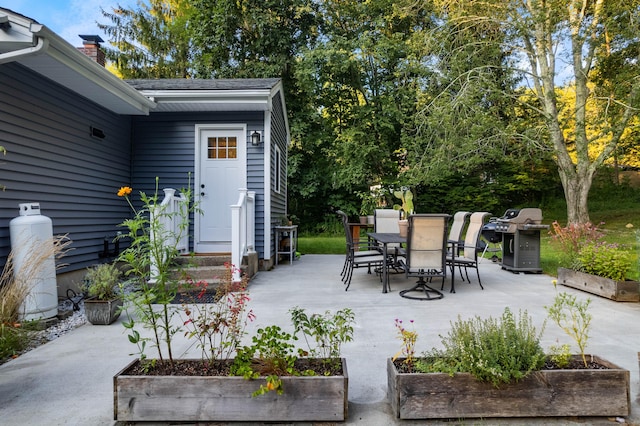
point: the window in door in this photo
(222, 147)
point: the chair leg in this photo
(348, 279)
(421, 286)
(478, 272)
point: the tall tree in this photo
(150, 41)
(543, 35)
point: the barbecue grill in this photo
(520, 229)
(492, 239)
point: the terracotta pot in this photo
(404, 227)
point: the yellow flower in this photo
(124, 191)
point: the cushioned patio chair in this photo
(357, 255)
(469, 257)
(426, 254)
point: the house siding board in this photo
(164, 148)
(51, 159)
(279, 138)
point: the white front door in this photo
(220, 173)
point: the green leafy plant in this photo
(494, 350)
(573, 317)
(102, 281)
(220, 326)
(604, 260)
(560, 355)
(406, 196)
(582, 248)
(408, 338)
(571, 238)
(327, 330)
(369, 202)
(272, 354)
(149, 260)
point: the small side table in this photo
(292, 232)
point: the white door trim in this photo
(198, 246)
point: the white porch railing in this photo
(243, 233)
(170, 214)
(170, 217)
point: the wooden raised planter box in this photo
(546, 393)
(228, 398)
(620, 291)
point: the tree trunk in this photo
(576, 193)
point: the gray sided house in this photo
(75, 133)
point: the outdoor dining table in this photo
(385, 239)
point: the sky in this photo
(67, 18)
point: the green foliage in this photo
(571, 238)
(560, 355)
(604, 260)
(573, 317)
(272, 354)
(498, 351)
(149, 260)
(328, 331)
(582, 248)
(406, 197)
(151, 40)
(218, 327)
(408, 339)
(102, 281)
(13, 339)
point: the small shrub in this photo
(272, 354)
(560, 355)
(102, 281)
(571, 238)
(328, 331)
(604, 260)
(494, 350)
(573, 318)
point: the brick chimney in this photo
(91, 48)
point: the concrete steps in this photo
(209, 268)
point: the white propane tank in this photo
(28, 232)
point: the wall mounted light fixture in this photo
(256, 138)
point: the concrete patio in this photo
(69, 381)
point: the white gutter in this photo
(41, 46)
(68, 55)
(19, 31)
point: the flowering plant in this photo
(408, 338)
(583, 249)
(152, 250)
(220, 326)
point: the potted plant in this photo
(104, 302)
(497, 368)
(406, 197)
(590, 264)
(268, 380)
(368, 205)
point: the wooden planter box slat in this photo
(620, 291)
(546, 393)
(221, 398)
